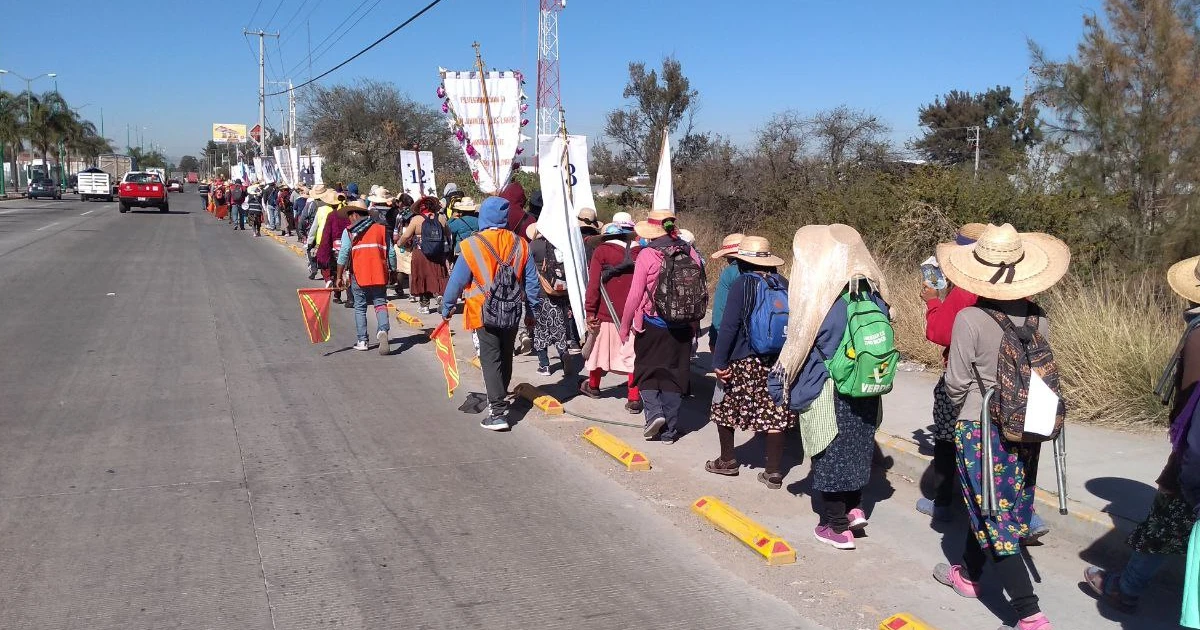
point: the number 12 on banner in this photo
(419, 178)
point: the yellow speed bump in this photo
(622, 452)
(769, 545)
(540, 399)
(903, 621)
(411, 320)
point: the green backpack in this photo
(865, 362)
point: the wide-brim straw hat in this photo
(332, 197)
(652, 227)
(381, 195)
(465, 204)
(284, 186)
(969, 233)
(687, 236)
(318, 190)
(729, 245)
(254, 189)
(1184, 278)
(357, 204)
(756, 250)
(587, 218)
(1004, 264)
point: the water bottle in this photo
(933, 277)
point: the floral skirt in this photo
(551, 329)
(1166, 529)
(945, 413)
(747, 404)
(1014, 467)
(608, 353)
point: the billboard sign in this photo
(228, 133)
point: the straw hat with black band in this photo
(1184, 278)
(358, 205)
(332, 197)
(756, 250)
(380, 195)
(587, 218)
(729, 245)
(465, 205)
(657, 224)
(1004, 264)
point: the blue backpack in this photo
(767, 316)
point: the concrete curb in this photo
(632, 460)
(763, 541)
(1103, 530)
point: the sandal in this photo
(719, 466)
(1105, 586)
(773, 481)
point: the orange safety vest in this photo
(483, 268)
(368, 257)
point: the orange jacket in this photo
(483, 267)
(368, 257)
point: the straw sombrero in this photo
(254, 190)
(357, 204)
(756, 250)
(531, 232)
(465, 204)
(1184, 278)
(1004, 264)
(653, 226)
(587, 218)
(729, 245)
(380, 195)
(332, 197)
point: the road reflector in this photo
(903, 621)
(476, 363)
(725, 518)
(619, 450)
(411, 320)
(540, 399)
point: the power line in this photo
(311, 9)
(293, 18)
(363, 51)
(272, 18)
(252, 15)
(337, 30)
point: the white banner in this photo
(287, 163)
(488, 129)
(664, 189)
(416, 171)
(268, 171)
(565, 187)
(310, 169)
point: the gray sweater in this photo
(976, 339)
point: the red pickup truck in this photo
(140, 189)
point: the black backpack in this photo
(681, 294)
(433, 238)
(239, 195)
(502, 302)
(268, 195)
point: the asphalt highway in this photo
(174, 453)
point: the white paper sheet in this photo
(1041, 408)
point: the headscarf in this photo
(825, 259)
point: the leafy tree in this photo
(610, 167)
(656, 103)
(844, 134)
(10, 128)
(189, 163)
(144, 159)
(1126, 106)
(1007, 129)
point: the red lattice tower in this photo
(549, 97)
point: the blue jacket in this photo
(733, 340)
(811, 380)
(728, 275)
(493, 215)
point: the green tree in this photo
(147, 158)
(189, 163)
(1127, 107)
(1007, 129)
(656, 102)
(10, 129)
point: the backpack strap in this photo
(512, 258)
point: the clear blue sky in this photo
(177, 67)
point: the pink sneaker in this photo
(844, 540)
(1035, 622)
(858, 519)
(952, 575)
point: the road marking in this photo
(87, 213)
(46, 226)
(9, 211)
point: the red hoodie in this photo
(940, 314)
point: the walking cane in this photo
(1060, 468)
(988, 501)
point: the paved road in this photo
(175, 454)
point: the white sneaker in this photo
(382, 336)
(329, 284)
(362, 346)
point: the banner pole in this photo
(487, 109)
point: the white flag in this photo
(562, 173)
(664, 190)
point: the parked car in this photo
(43, 188)
(143, 190)
(174, 185)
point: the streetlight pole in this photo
(29, 96)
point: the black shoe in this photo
(634, 406)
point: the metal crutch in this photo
(1060, 468)
(988, 503)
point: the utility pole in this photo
(975, 140)
(291, 114)
(549, 94)
(262, 86)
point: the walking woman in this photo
(662, 347)
(830, 263)
(1003, 268)
(742, 368)
(428, 244)
(551, 328)
(1167, 527)
(610, 275)
(330, 243)
(254, 208)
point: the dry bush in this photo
(1112, 336)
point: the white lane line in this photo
(46, 226)
(9, 211)
(87, 213)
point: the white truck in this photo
(94, 183)
(116, 166)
